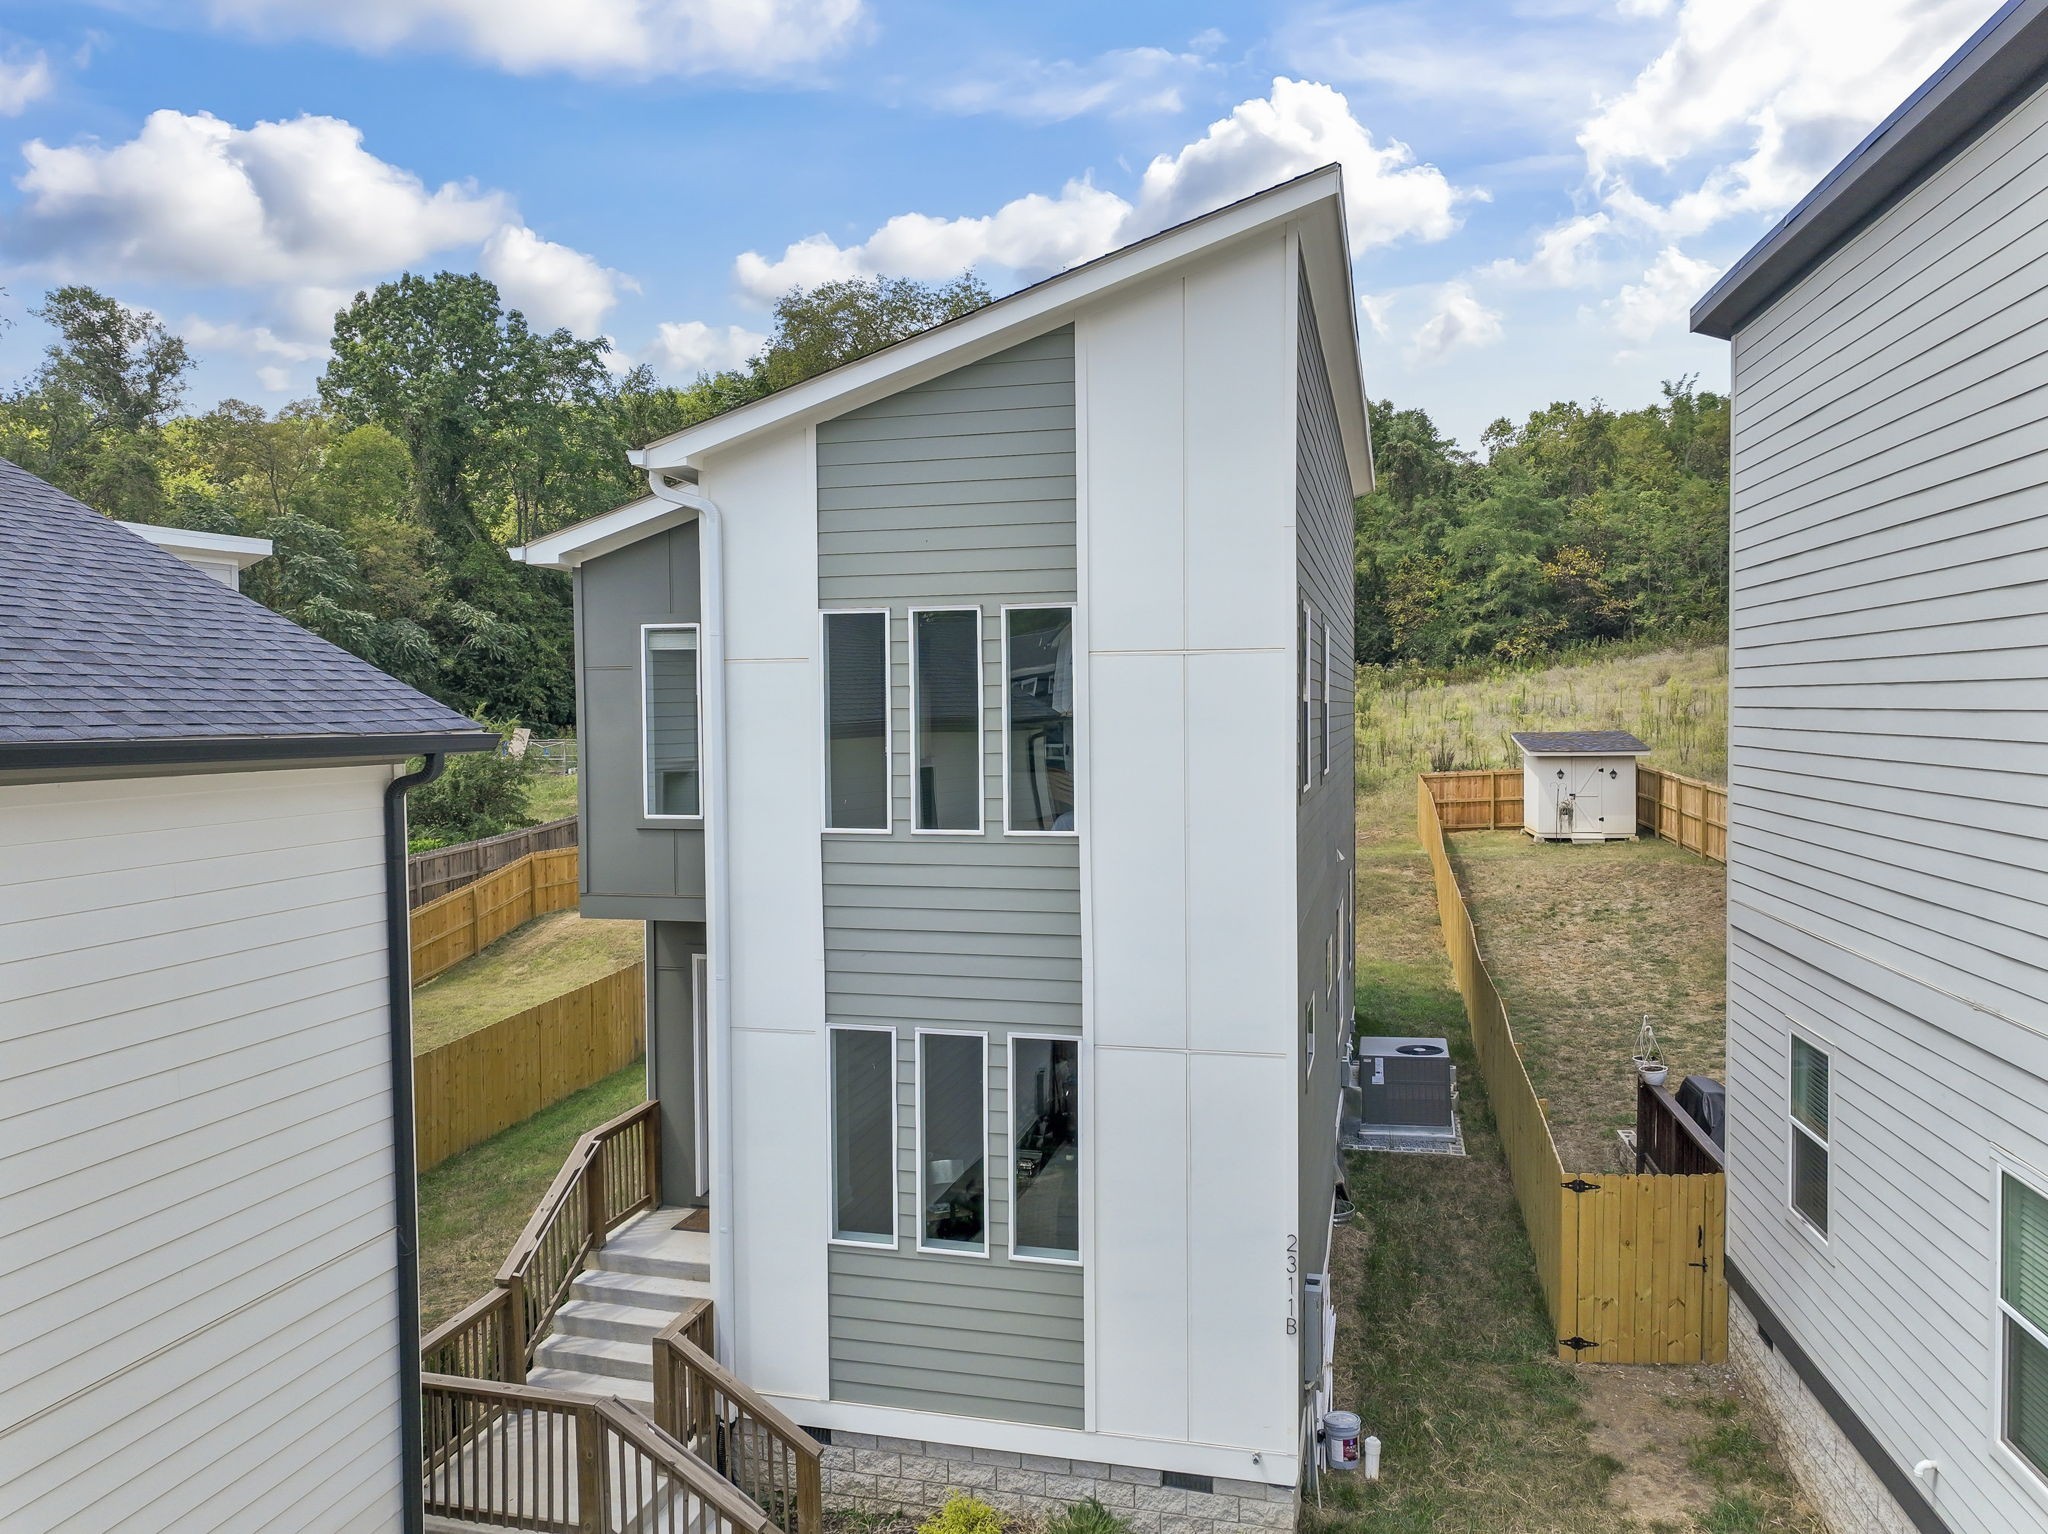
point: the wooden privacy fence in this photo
(449, 930)
(1677, 809)
(472, 1087)
(430, 875)
(1631, 1263)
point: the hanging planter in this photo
(1649, 1063)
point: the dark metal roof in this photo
(114, 652)
(1579, 743)
(2004, 59)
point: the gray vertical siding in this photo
(1889, 793)
(959, 492)
(630, 867)
(1325, 829)
(672, 948)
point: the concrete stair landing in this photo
(600, 1342)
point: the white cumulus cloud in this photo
(553, 284)
(1655, 306)
(1124, 82)
(684, 348)
(599, 38)
(25, 78)
(1458, 321)
(1566, 255)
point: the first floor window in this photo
(952, 1142)
(1045, 1148)
(669, 733)
(945, 685)
(1323, 703)
(2023, 1302)
(1308, 1040)
(857, 721)
(1038, 718)
(1810, 1110)
(864, 1135)
(1303, 621)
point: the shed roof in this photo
(2004, 59)
(1579, 743)
(115, 651)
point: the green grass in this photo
(530, 964)
(473, 1206)
(551, 796)
(1677, 700)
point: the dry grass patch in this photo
(527, 966)
(1582, 940)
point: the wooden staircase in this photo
(600, 1342)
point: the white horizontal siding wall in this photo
(198, 1312)
(1889, 765)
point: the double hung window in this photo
(669, 722)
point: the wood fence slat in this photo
(1685, 811)
(430, 875)
(462, 924)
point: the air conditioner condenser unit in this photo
(1406, 1087)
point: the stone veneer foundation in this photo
(913, 1476)
(1843, 1489)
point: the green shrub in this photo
(963, 1515)
(1087, 1517)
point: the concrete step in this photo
(603, 1386)
(594, 1355)
(655, 1251)
(649, 1290)
(613, 1323)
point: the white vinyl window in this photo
(2023, 1320)
(670, 733)
(1304, 627)
(1038, 721)
(864, 1135)
(1318, 662)
(945, 719)
(1323, 756)
(1308, 1041)
(1045, 1148)
(952, 1142)
(1809, 1112)
(858, 782)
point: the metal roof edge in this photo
(55, 755)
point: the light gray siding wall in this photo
(1889, 806)
(959, 492)
(1325, 830)
(672, 948)
(631, 866)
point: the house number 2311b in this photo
(1293, 1268)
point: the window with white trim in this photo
(2023, 1311)
(945, 708)
(857, 786)
(1303, 619)
(1317, 641)
(864, 1134)
(1323, 734)
(1038, 720)
(669, 721)
(1308, 1040)
(952, 1142)
(1045, 1148)
(1809, 1114)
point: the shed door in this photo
(1579, 808)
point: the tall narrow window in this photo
(1810, 1109)
(1045, 1148)
(857, 721)
(2023, 1302)
(945, 705)
(952, 1142)
(669, 720)
(864, 1135)
(1038, 718)
(1323, 750)
(1303, 623)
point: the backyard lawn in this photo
(527, 966)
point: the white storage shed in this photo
(1579, 785)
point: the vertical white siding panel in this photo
(1136, 472)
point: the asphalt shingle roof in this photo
(1579, 742)
(106, 638)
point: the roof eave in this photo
(230, 750)
(622, 525)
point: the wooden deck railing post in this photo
(590, 1487)
(594, 1220)
(810, 1496)
(513, 1366)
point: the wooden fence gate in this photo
(1647, 1254)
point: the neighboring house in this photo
(223, 556)
(1888, 807)
(972, 726)
(208, 1305)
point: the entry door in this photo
(700, 1067)
(1596, 783)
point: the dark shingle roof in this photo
(112, 648)
(1578, 743)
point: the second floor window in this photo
(669, 721)
(945, 709)
(857, 721)
(1038, 719)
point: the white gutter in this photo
(717, 887)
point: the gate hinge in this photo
(1576, 1344)
(1580, 1185)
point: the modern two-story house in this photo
(971, 725)
(1887, 1137)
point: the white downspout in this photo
(717, 890)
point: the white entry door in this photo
(1594, 785)
(700, 1084)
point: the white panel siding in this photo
(196, 1248)
(1889, 767)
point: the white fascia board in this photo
(1326, 257)
(630, 523)
(184, 542)
(1009, 320)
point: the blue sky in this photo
(1538, 188)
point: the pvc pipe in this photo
(1372, 1457)
(717, 889)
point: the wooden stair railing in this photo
(502, 1456)
(612, 1174)
(775, 1463)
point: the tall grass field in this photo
(1676, 700)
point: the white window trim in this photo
(1307, 631)
(1010, 1149)
(888, 827)
(894, 1240)
(1329, 732)
(646, 785)
(917, 1112)
(2029, 1474)
(1795, 1037)
(1003, 675)
(1308, 1042)
(980, 729)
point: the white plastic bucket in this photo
(1340, 1440)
